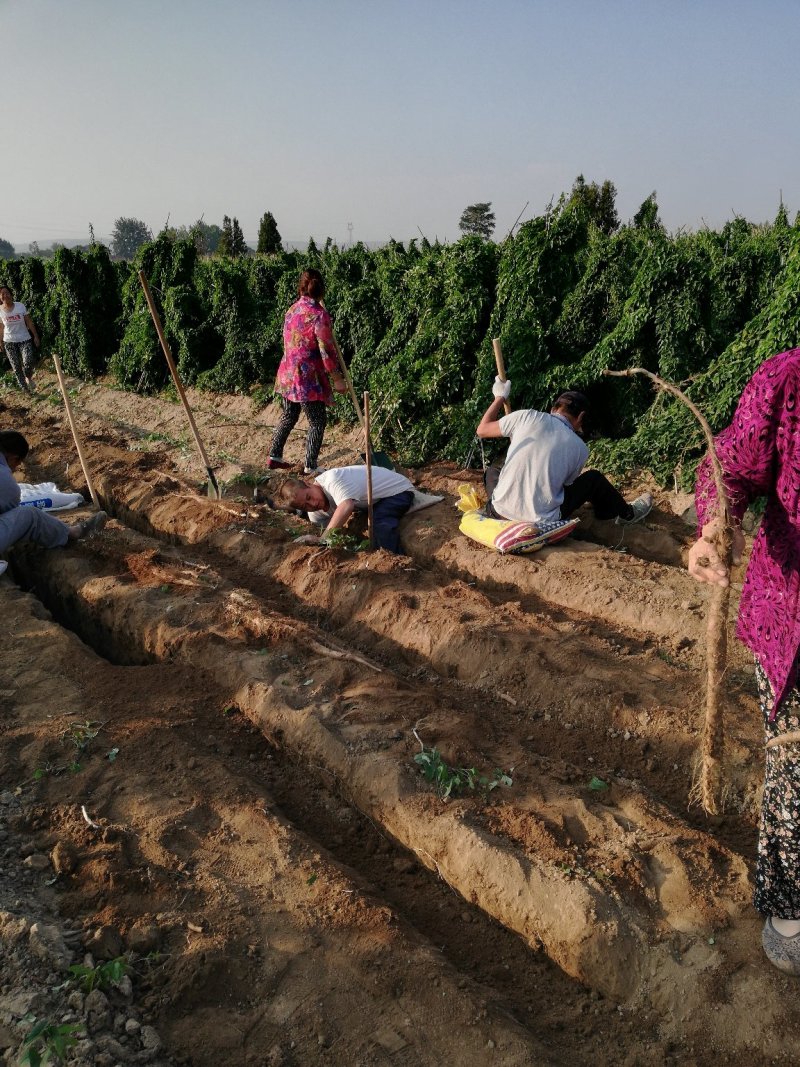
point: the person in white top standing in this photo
(541, 479)
(19, 338)
(334, 495)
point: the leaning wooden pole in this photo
(717, 620)
(370, 511)
(501, 368)
(76, 438)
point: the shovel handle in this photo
(72, 425)
(370, 516)
(174, 372)
(501, 368)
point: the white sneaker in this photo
(311, 472)
(642, 506)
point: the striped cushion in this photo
(519, 537)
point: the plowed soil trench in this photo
(265, 813)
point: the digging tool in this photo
(212, 488)
(368, 460)
(501, 367)
(71, 418)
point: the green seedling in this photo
(112, 754)
(47, 1042)
(311, 879)
(345, 542)
(42, 772)
(81, 734)
(102, 976)
(165, 588)
(451, 781)
(597, 785)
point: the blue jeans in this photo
(386, 516)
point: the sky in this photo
(391, 117)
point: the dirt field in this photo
(289, 887)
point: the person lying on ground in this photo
(334, 495)
(26, 523)
(760, 457)
(541, 479)
(19, 338)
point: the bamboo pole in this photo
(370, 516)
(213, 487)
(501, 368)
(71, 418)
(717, 620)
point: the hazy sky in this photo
(390, 115)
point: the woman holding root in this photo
(19, 338)
(760, 455)
(309, 356)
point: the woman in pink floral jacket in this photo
(309, 357)
(760, 455)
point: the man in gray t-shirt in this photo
(541, 479)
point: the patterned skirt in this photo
(777, 889)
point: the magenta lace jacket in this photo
(308, 353)
(760, 454)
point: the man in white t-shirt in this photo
(334, 495)
(541, 479)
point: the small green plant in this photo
(81, 734)
(102, 976)
(47, 1042)
(450, 781)
(345, 542)
(42, 772)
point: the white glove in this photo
(501, 389)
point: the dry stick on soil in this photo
(717, 623)
(84, 467)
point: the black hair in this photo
(4, 286)
(573, 401)
(12, 443)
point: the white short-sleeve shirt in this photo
(545, 454)
(14, 328)
(350, 483)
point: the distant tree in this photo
(232, 242)
(782, 218)
(269, 240)
(34, 249)
(596, 202)
(477, 218)
(128, 236)
(206, 236)
(6, 249)
(646, 218)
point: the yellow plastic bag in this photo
(471, 498)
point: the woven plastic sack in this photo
(514, 538)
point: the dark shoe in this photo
(782, 952)
(274, 464)
(91, 525)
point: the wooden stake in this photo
(717, 620)
(370, 518)
(71, 418)
(501, 368)
(213, 487)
